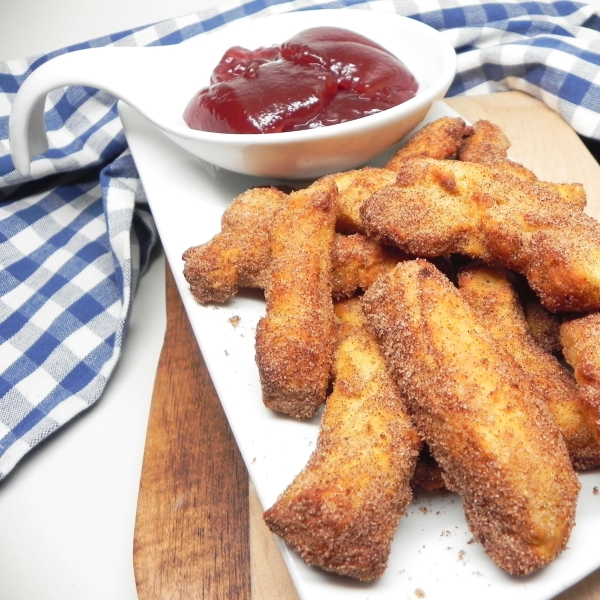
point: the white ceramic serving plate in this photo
(160, 81)
(432, 551)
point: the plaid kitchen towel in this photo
(77, 232)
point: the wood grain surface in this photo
(199, 530)
(191, 535)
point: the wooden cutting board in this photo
(199, 531)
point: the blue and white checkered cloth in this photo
(77, 232)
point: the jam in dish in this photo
(321, 76)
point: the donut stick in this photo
(238, 256)
(439, 139)
(295, 340)
(341, 512)
(354, 187)
(489, 145)
(357, 261)
(543, 325)
(580, 339)
(490, 432)
(441, 207)
(490, 294)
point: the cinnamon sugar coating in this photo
(543, 325)
(294, 341)
(501, 416)
(580, 338)
(341, 512)
(358, 261)
(442, 207)
(239, 255)
(489, 145)
(486, 426)
(491, 296)
(439, 139)
(354, 187)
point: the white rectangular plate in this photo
(433, 555)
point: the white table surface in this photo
(67, 512)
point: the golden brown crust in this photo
(441, 207)
(487, 428)
(490, 294)
(482, 412)
(439, 139)
(213, 277)
(489, 145)
(580, 338)
(341, 512)
(556, 247)
(430, 211)
(294, 341)
(571, 193)
(239, 255)
(543, 325)
(486, 144)
(354, 187)
(358, 261)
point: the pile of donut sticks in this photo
(445, 308)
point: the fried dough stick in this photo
(580, 338)
(239, 255)
(489, 293)
(443, 207)
(341, 512)
(294, 341)
(490, 432)
(543, 325)
(439, 139)
(354, 188)
(356, 262)
(489, 145)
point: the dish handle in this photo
(109, 69)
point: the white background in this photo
(67, 512)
